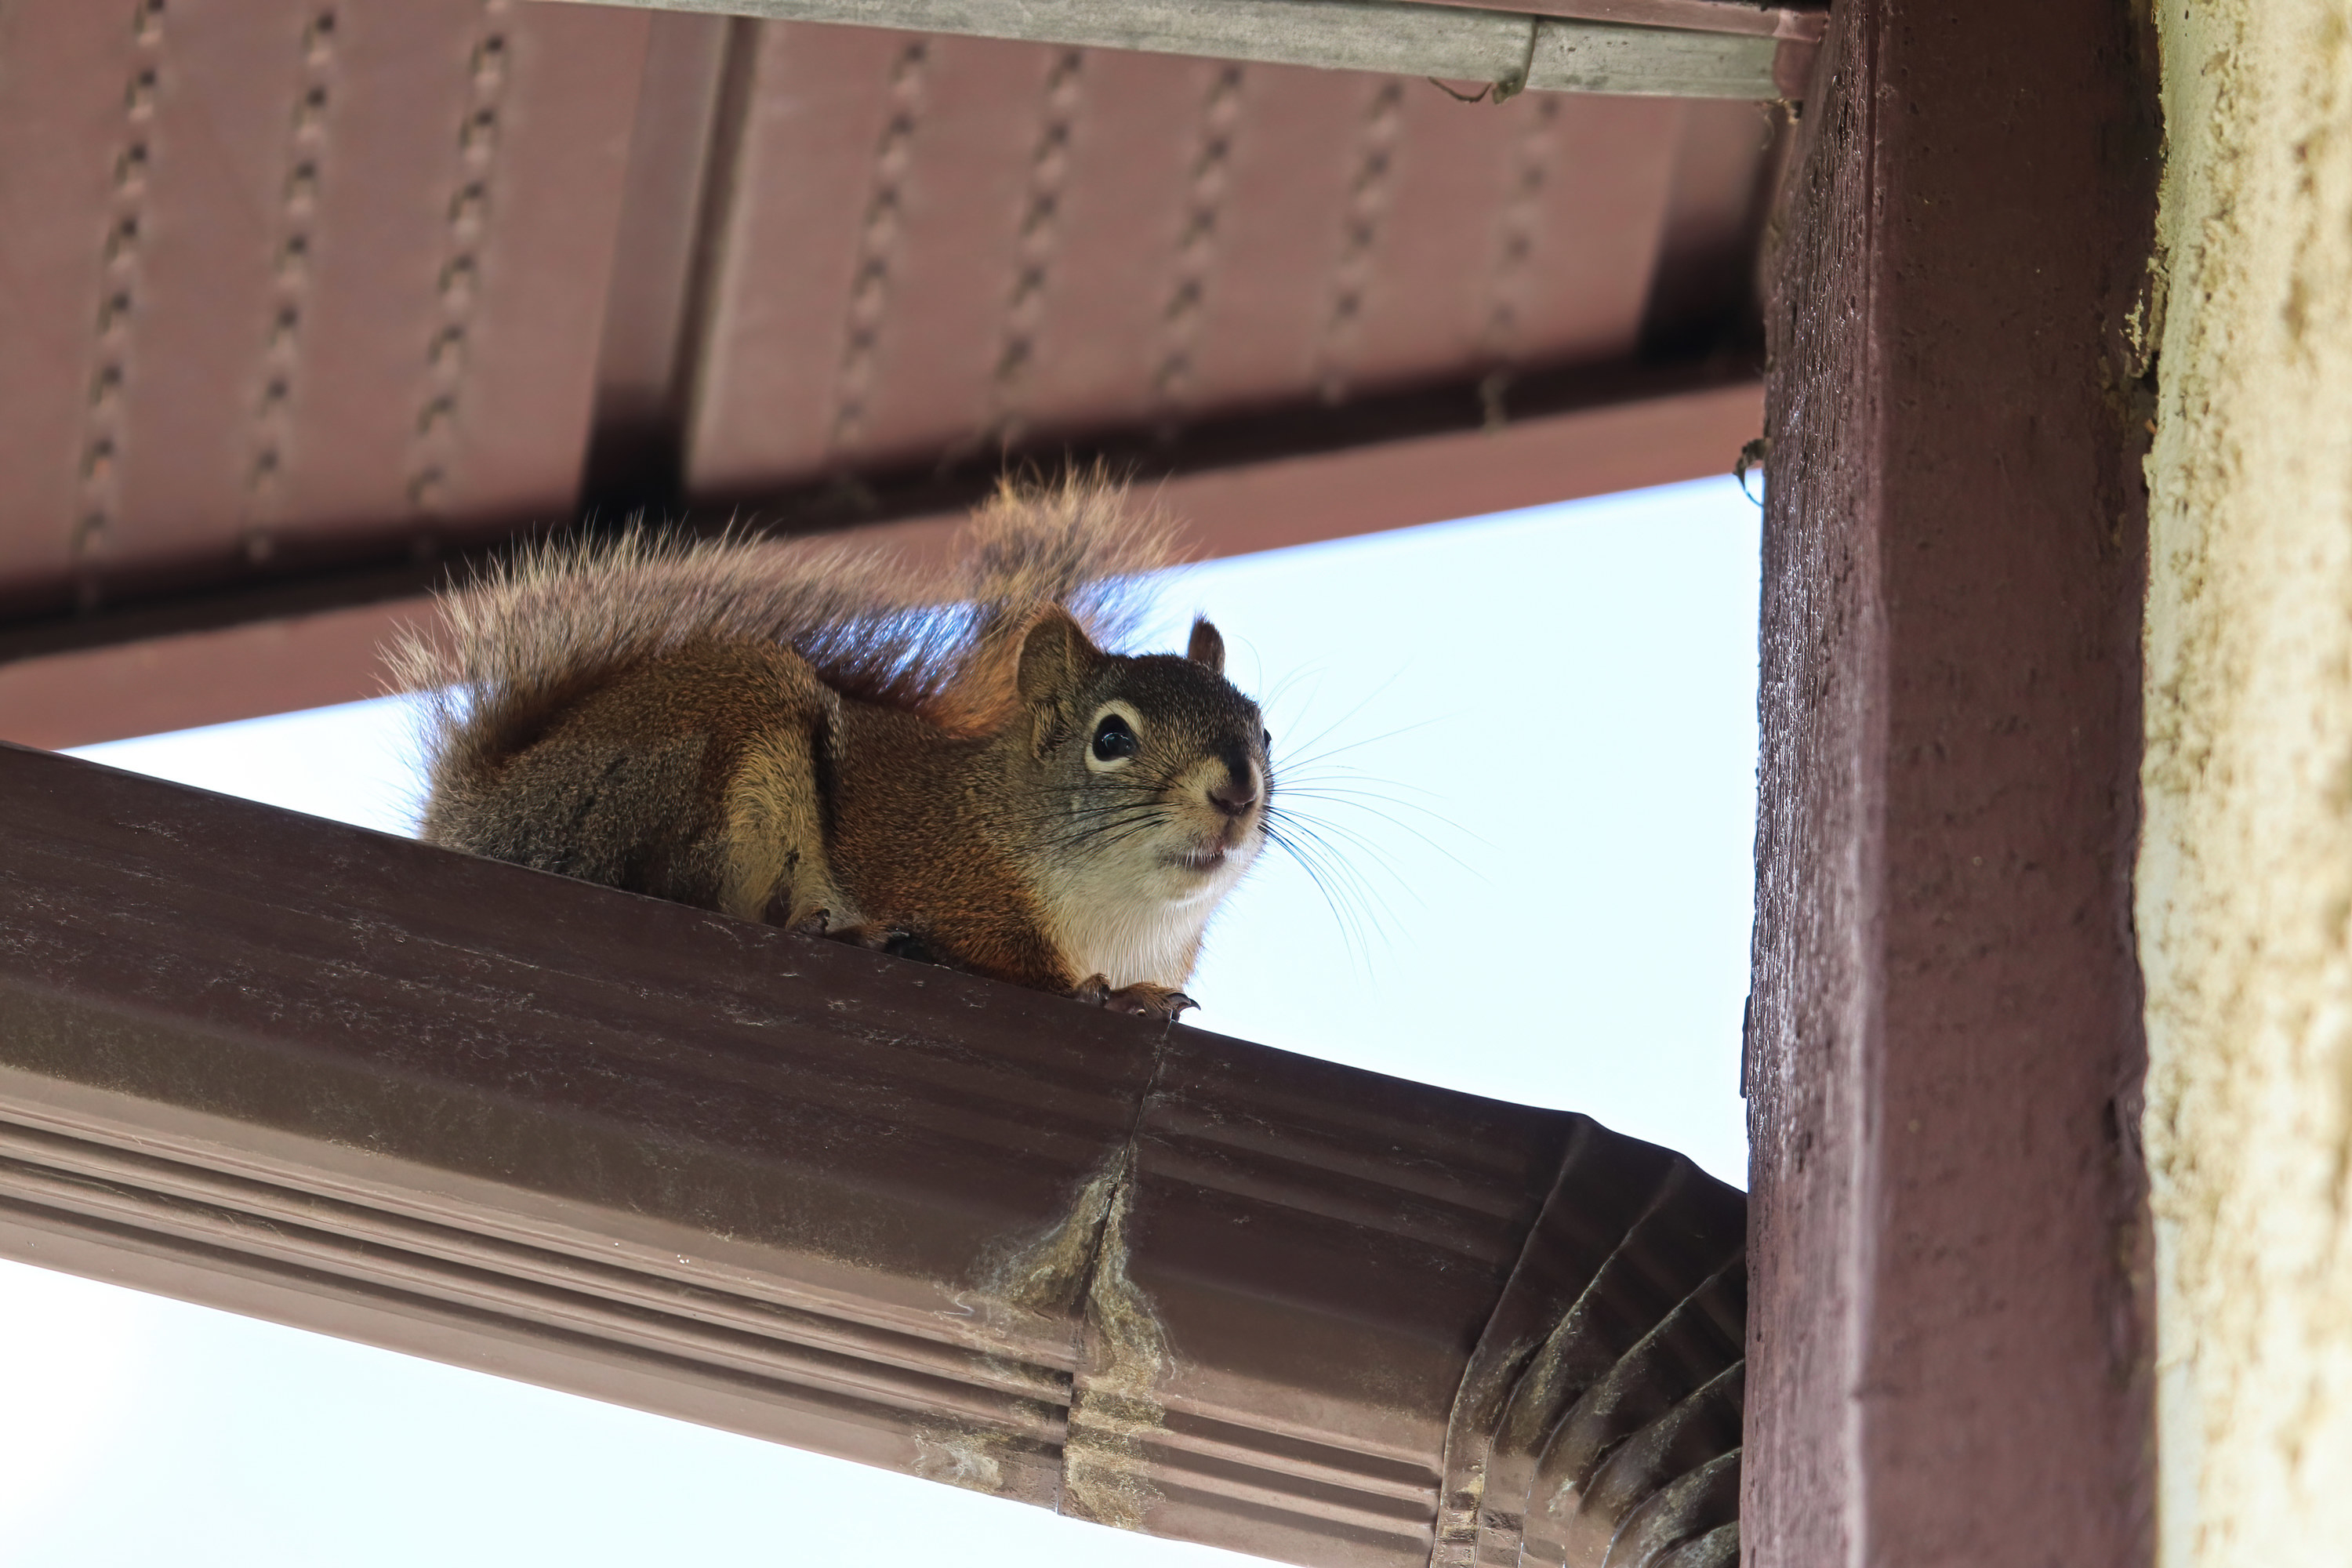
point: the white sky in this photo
(1540, 731)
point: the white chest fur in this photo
(1127, 926)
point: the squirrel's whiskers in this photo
(945, 763)
(1335, 857)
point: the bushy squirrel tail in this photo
(530, 635)
(1082, 543)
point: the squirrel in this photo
(945, 766)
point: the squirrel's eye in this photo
(1113, 739)
(1266, 738)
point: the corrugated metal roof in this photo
(303, 296)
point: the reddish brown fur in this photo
(918, 852)
(840, 753)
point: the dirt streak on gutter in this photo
(1076, 1273)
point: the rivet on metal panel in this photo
(489, 67)
(480, 129)
(1049, 166)
(310, 110)
(1196, 244)
(457, 279)
(301, 187)
(113, 312)
(876, 246)
(1368, 203)
(118, 254)
(1512, 274)
(468, 208)
(131, 169)
(306, 151)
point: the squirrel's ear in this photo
(1208, 646)
(1054, 656)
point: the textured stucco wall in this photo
(2245, 884)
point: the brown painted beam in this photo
(1151, 1277)
(1951, 1341)
(302, 646)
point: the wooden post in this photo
(1950, 1339)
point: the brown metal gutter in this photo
(1159, 1278)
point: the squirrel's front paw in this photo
(863, 933)
(1151, 1001)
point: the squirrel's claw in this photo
(1143, 997)
(819, 923)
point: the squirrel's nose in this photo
(1238, 793)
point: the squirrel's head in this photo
(1154, 766)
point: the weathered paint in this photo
(1947, 1361)
(2245, 874)
(1076, 1272)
